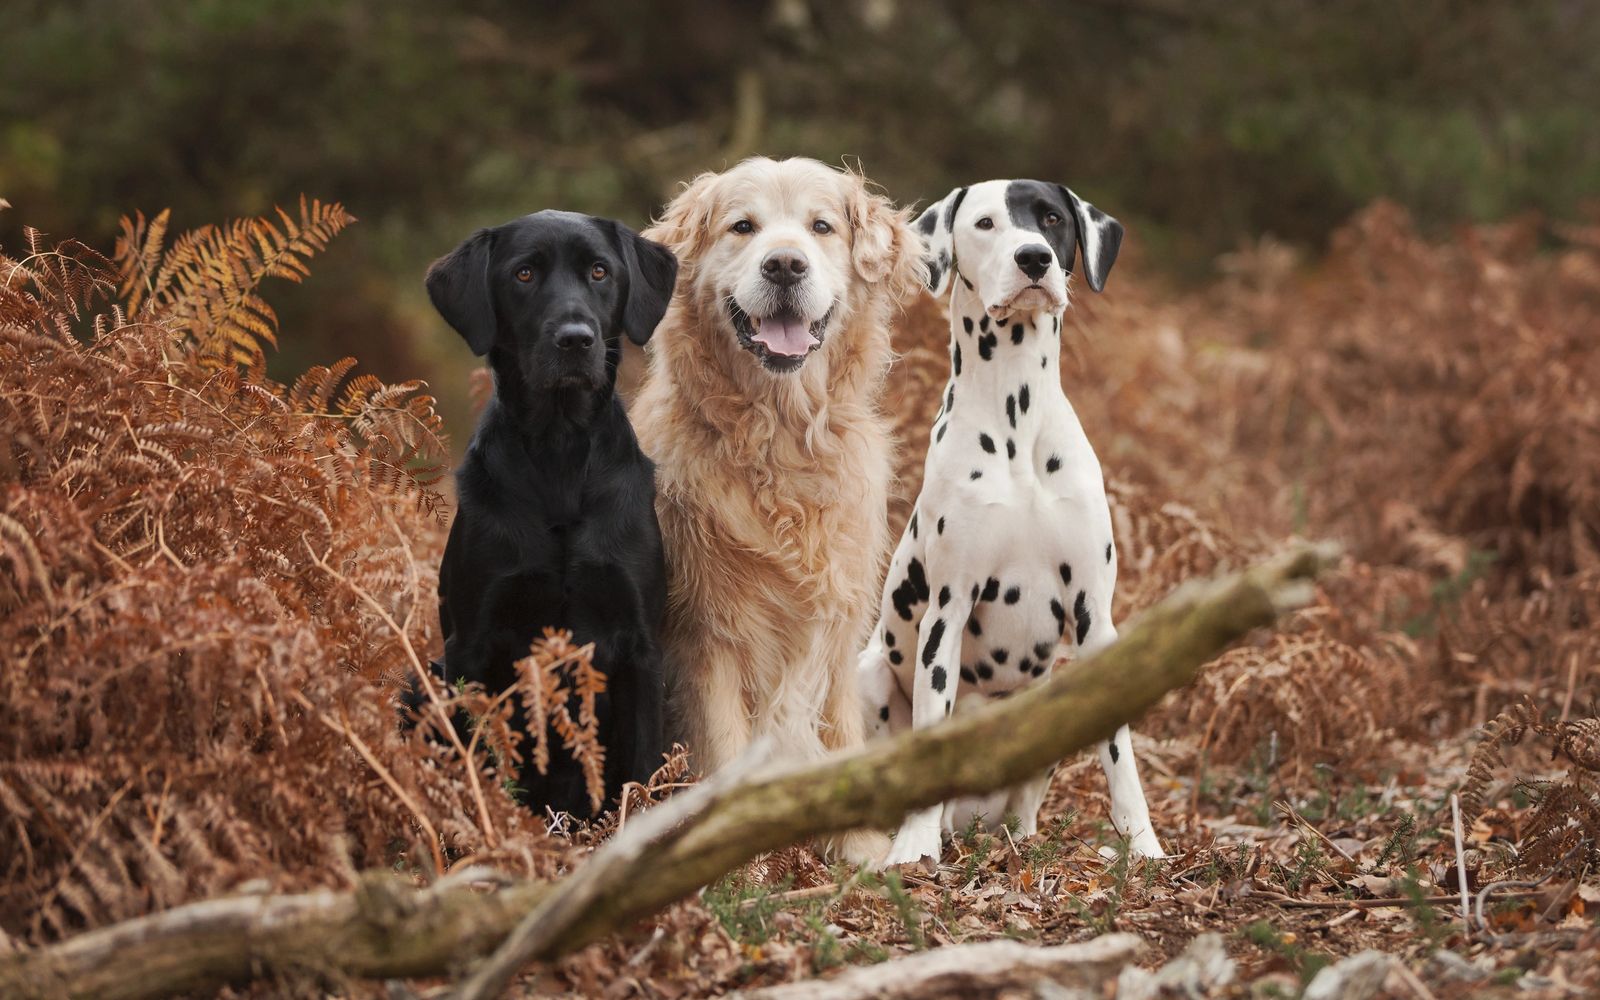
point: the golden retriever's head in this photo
(786, 253)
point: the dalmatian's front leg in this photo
(933, 694)
(1130, 813)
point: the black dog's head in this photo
(548, 296)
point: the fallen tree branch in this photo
(985, 969)
(384, 929)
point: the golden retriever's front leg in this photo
(716, 718)
(843, 728)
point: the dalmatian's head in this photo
(1012, 243)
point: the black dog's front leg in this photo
(631, 722)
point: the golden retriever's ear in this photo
(685, 224)
(885, 248)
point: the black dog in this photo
(556, 523)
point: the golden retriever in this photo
(760, 409)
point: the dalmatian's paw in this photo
(918, 838)
(1145, 845)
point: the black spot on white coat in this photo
(939, 528)
(912, 590)
(1011, 411)
(986, 346)
(1022, 399)
(929, 651)
(1108, 552)
(944, 596)
(1080, 611)
(1041, 650)
(1115, 753)
(986, 443)
(1066, 575)
(991, 589)
(1000, 654)
(1052, 465)
(1013, 595)
(938, 682)
(1060, 615)
(1016, 334)
(976, 474)
(1011, 448)
(955, 359)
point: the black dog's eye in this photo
(524, 273)
(598, 272)
(821, 228)
(743, 227)
(1052, 219)
(985, 223)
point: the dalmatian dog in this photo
(1007, 561)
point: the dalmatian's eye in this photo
(1052, 219)
(744, 227)
(821, 228)
(985, 223)
(524, 274)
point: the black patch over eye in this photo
(1052, 218)
(821, 228)
(524, 273)
(743, 227)
(598, 272)
(985, 223)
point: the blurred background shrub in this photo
(1201, 124)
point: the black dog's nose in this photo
(575, 338)
(1034, 259)
(784, 266)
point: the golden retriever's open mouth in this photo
(782, 341)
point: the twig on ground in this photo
(1461, 859)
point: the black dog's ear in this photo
(652, 274)
(458, 285)
(936, 225)
(1099, 239)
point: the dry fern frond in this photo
(210, 584)
(559, 684)
(1566, 812)
(205, 284)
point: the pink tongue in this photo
(786, 336)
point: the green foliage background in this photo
(1200, 123)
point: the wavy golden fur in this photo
(772, 488)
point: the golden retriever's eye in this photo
(1052, 219)
(985, 223)
(743, 227)
(598, 272)
(524, 273)
(821, 228)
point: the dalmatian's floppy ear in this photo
(1099, 239)
(936, 225)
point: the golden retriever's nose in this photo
(784, 266)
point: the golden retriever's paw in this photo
(862, 848)
(918, 839)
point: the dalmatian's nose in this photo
(784, 266)
(1034, 259)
